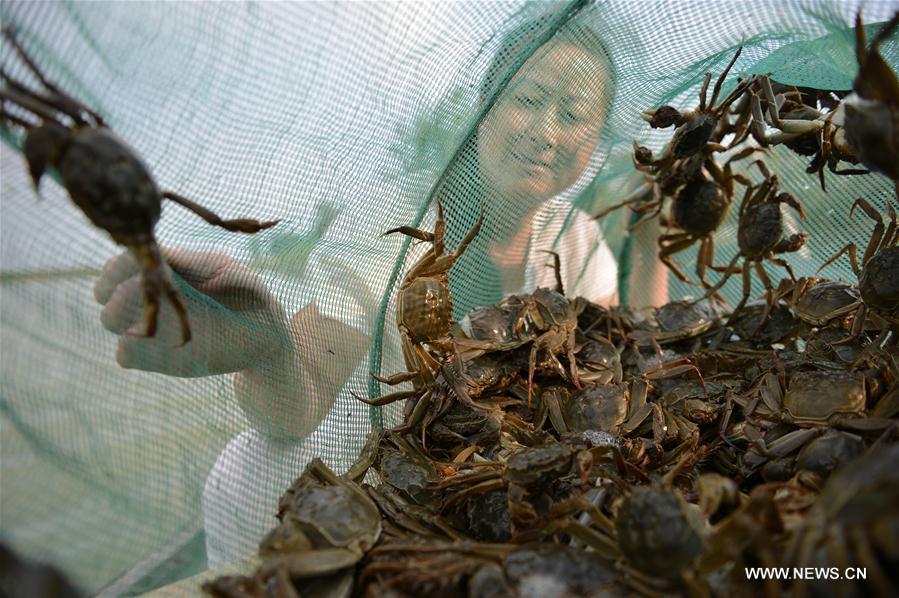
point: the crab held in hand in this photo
(104, 177)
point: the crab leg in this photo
(242, 225)
(720, 81)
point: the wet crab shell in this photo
(486, 375)
(107, 180)
(700, 207)
(425, 309)
(825, 301)
(655, 532)
(554, 306)
(780, 325)
(535, 466)
(411, 477)
(814, 397)
(684, 319)
(597, 407)
(823, 455)
(879, 281)
(489, 323)
(336, 513)
(821, 344)
(760, 229)
(601, 362)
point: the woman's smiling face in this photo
(538, 137)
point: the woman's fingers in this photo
(115, 271)
(196, 267)
(123, 307)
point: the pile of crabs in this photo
(554, 447)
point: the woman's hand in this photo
(235, 322)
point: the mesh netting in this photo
(342, 121)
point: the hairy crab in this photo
(104, 176)
(424, 305)
(805, 130)
(760, 237)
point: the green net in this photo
(342, 121)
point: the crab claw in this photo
(642, 155)
(662, 117)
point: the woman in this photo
(535, 142)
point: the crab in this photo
(878, 277)
(872, 111)
(545, 319)
(819, 302)
(805, 130)
(104, 177)
(657, 532)
(550, 319)
(424, 305)
(760, 238)
(698, 209)
(828, 396)
(701, 191)
(605, 407)
(435, 393)
(687, 172)
(528, 476)
(853, 522)
(327, 524)
(781, 325)
(694, 129)
(678, 321)
(792, 107)
(621, 408)
(599, 361)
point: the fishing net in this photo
(342, 121)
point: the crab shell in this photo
(656, 533)
(879, 281)
(825, 301)
(813, 398)
(109, 182)
(538, 465)
(684, 319)
(700, 207)
(425, 309)
(760, 229)
(597, 407)
(690, 138)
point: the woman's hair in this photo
(521, 39)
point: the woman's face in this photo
(538, 137)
